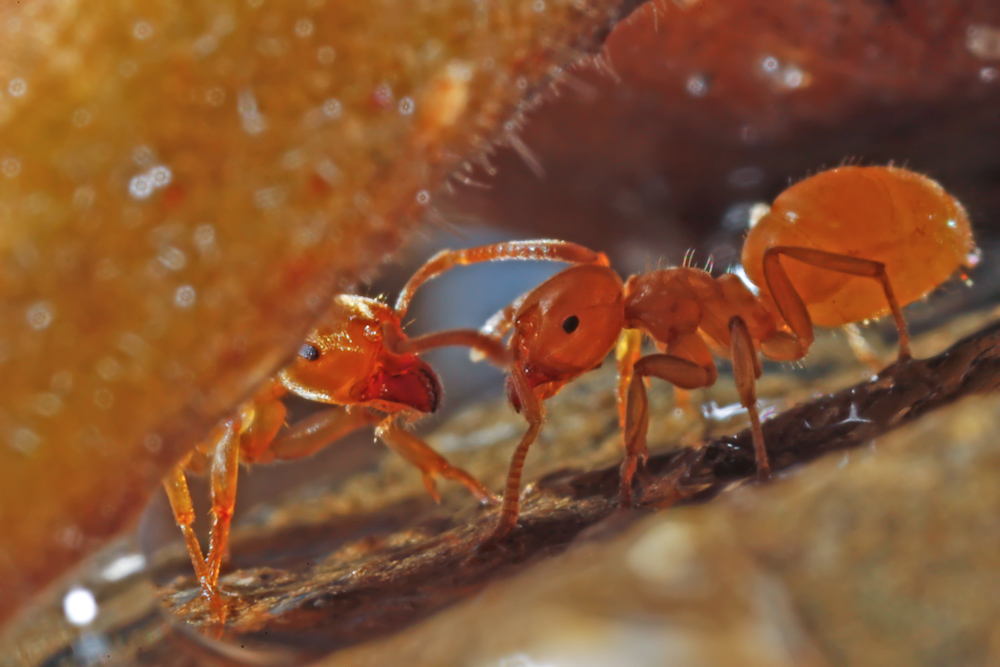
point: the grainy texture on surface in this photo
(181, 189)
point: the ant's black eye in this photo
(571, 323)
(309, 352)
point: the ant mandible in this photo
(845, 245)
(344, 362)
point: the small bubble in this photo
(108, 369)
(539, 6)
(104, 399)
(769, 64)
(184, 296)
(521, 83)
(326, 55)
(697, 85)
(61, 382)
(205, 45)
(142, 30)
(153, 442)
(303, 27)
(83, 197)
(24, 440)
(332, 108)
(423, 197)
(13, 25)
(10, 167)
(406, 106)
(988, 74)
(161, 175)
(140, 187)
(47, 404)
(142, 155)
(80, 606)
(204, 236)
(215, 96)
(172, 258)
(81, 118)
(17, 87)
(39, 315)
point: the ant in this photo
(845, 245)
(344, 362)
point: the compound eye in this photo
(309, 352)
(570, 324)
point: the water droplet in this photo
(24, 440)
(423, 197)
(326, 55)
(140, 187)
(204, 236)
(184, 297)
(47, 404)
(80, 606)
(17, 87)
(81, 118)
(697, 85)
(406, 106)
(39, 315)
(10, 167)
(161, 175)
(142, 30)
(103, 398)
(303, 27)
(332, 108)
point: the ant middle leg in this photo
(793, 309)
(175, 484)
(680, 372)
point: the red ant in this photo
(344, 362)
(845, 245)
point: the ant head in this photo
(569, 324)
(344, 361)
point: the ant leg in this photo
(627, 352)
(746, 370)
(225, 465)
(793, 309)
(316, 432)
(430, 463)
(532, 410)
(175, 484)
(558, 251)
(680, 372)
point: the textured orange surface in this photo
(181, 188)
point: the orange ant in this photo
(343, 362)
(845, 245)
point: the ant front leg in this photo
(429, 462)
(680, 372)
(223, 475)
(790, 304)
(175, 484)
(559, 251)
